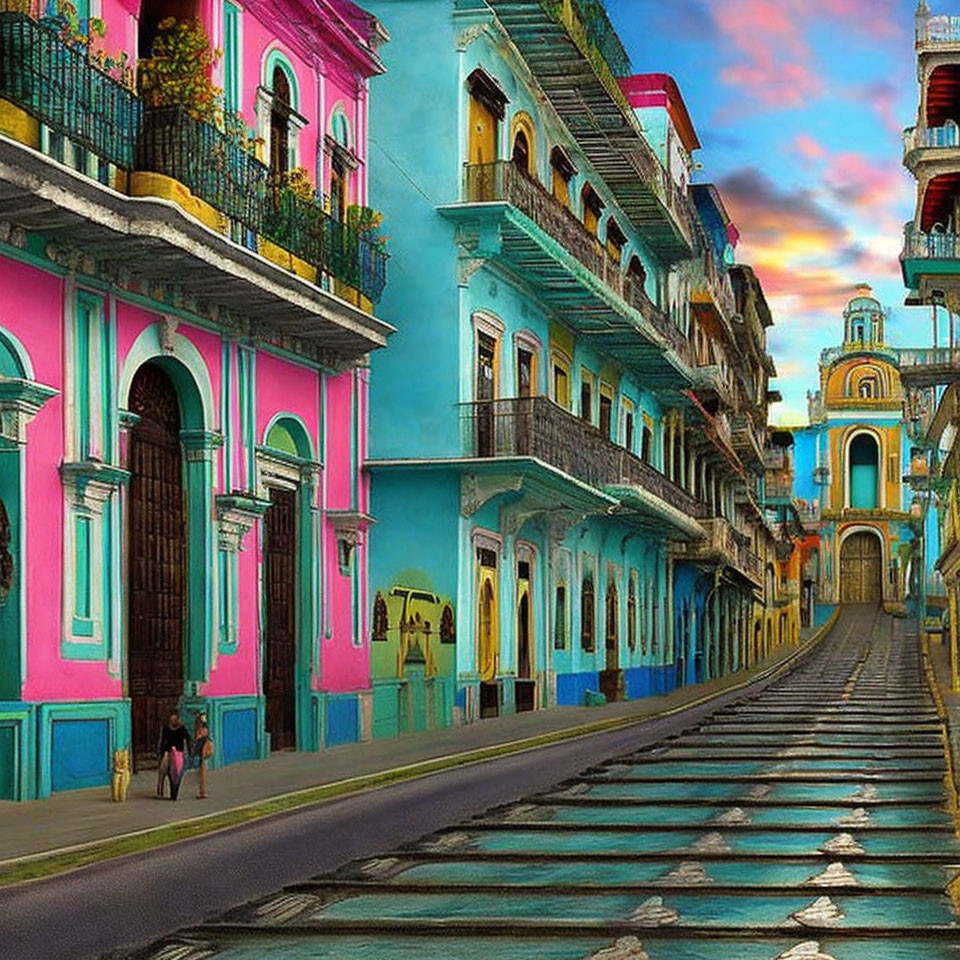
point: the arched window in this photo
(616, 240)
(868, 388)
(280, 122)
(864, 472)
(587, 614)
(612, 618)
(636, 274)
(521, 153)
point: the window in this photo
(616, 241)
(592, 208)
(636, 274)
(629, 429)
(560, 617)
(586, 396)
(587, 614)
(521, 153)
(606, 411)
(646, 443)
(561, 384)
(280, 123)
(866, 388)
(525, 372)
(632, 612)
(563, 172)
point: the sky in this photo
(800, 106)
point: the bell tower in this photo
(863, 320)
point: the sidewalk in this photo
(75, 828)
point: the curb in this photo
(48, 863)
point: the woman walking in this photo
(172, 748)
(202, 751)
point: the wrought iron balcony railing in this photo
(59, 87)
(537, 427)
(503, 181)
(918, 245)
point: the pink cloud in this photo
(808, 147)
(873, 187)
(772, 60)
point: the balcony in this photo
(922, 144)
(937, 32)
(577, 59)
(747, 442)
(509, 216)
(164, 198)
(779, 488)
(712, 288)
(929, 367)
(711, 381)
(723, 545)
(537, 428)
(928, 255)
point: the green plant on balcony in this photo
(177, 72)
(367, 223)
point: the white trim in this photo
(19, 351)
(148, 347)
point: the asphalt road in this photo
(124, 903)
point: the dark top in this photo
(178, 738)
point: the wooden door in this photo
(861, 569)
(280, 660)
(611, 628)
(483, 133)
(157, 561)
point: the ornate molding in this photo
(476, 491)
(90, 484)
(237, 513)
(166, 333)
(20, 402)
(350, 525)
(467, 267)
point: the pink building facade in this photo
(184, 330)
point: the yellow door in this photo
(488, 640)
(483, 133)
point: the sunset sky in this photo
(800, 107)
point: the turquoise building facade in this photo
(533, 451)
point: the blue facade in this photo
(522, 419)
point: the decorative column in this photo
(199, 447)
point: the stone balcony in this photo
(536, 427)
(723, 545)
(511, 217)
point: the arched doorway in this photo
(861, 569)
(157, 559)
(524, 686)
(611, 678)
(864, 472)
(487, 642)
